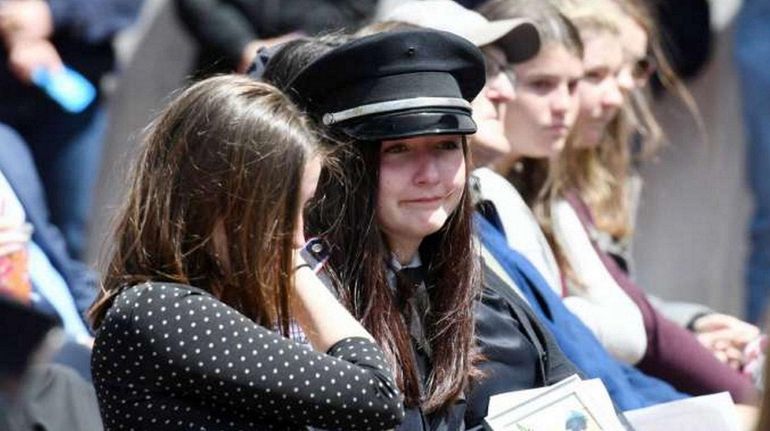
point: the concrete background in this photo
(691, 240)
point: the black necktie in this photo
(408, 280)
(413, 303)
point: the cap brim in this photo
(519, 38)
(407, 124)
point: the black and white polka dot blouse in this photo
(170, 356)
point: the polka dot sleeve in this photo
(174, 342)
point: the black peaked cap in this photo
(428, 76)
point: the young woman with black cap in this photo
(216, 204)
(508, 334)
(396, 214)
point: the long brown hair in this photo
(598, 173)
(345, 214)
(639, 112)
(214, 199)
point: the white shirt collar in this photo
(394, 266)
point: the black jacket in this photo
(224, 27)
(519, 352)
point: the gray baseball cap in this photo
(520, 36)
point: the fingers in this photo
(13, 238)
(722, 326)
(713, 321)
(31, 19)
(27, 56)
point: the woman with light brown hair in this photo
(206, 281)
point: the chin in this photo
(550, 149)
(432, 224)
(558, 146)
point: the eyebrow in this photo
(550, 76)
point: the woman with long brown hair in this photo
(206, 281)
(395, 214)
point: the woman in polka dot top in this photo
(215, 203)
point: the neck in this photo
(504, 165)
(482, 158)
(404, 250)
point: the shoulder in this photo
(141, 305)
(492, 184)
(154, 292)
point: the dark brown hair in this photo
(214, 199)
(345, 214)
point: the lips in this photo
(426, 200)
(560, 129)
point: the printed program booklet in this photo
(585, 405)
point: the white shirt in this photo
(600, 302)
(603, 307)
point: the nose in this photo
(613, 96)
(500, 88)
(625, 79)
(561, 100)
(426, 168)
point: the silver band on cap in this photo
(394, 105)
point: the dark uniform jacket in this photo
(520, 353)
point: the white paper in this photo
(570, 401)
(709, 412)
(501, 402)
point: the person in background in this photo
(545, 96)
(230, 32)
(59, 285)
(726, 336)
(587, 190)
(206, 281)
(39, 35)
(545, 90)
(36, 394)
